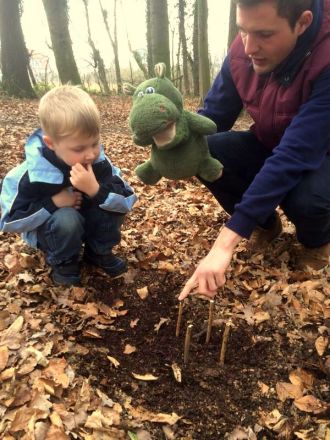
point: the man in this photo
(278, 69)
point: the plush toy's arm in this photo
(200, 124)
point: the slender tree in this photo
(203, 49)
(114, 41)
(159, 33)
(232, 31)
(183, 40)
(149, 48)
(194, 61)
(58, 23)
(14, 55)
(98, 60)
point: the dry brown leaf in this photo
(311, 404)
(165, 265)
(113, 361)
(147, 377)
(160, 323)
(12, 336)
(143, 292)
(134, 322)
(321, 344)
(177, 372)
(129, 349)
(264, 389)
(4, 356)
(300, 376)
(56, 433)
(287, 390)
(23, 417)
(9, 373)
(142, 415)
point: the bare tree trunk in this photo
(114, 41)
(98, 61)
(159, 35)
(14, 55)
(232, 31)
(149, 48)
(137, 58)
(203, 49)
(58, 22)
(182, 34)
(194, 62)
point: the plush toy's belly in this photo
(180, 162)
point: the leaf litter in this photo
(64, 372)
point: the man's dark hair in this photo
(290, 9)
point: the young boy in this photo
(67, 193)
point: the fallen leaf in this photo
(4, 356)
(321, 345)
(146, 377)
(143, 292)
(134, 322)
(177, 372)
(129, 349)
(300, 376)
(113, 361)
(161, 322)
(311, 404)
(287, 390)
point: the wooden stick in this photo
(224, 342)
(178, 322)
(210, 321)
(187, 343)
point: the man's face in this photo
(75, 149)
(268, 38)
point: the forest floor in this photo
(102, 361)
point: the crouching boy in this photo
(67, 194)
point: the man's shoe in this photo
(111, 264)
(315, 258)
(66, 273)
(261, 238)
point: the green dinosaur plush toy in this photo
(179, 148)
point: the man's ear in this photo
(304, 21)
(48, 141)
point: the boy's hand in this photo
(67, 198)
(84, 179)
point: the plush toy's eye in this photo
(150, 90)
(140, 93)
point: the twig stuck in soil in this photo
(210, 321)
(178, 323)
(187, 343)
(224, 342)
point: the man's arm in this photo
(303, 147)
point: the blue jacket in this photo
(27, 190)
(305, 139)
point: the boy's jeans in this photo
(62, 235)
(307, 205)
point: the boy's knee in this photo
(68, 220)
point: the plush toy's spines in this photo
(160, 70)
(128, 89)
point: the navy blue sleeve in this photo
(222, 103)
(303, 147)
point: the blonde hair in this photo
(68, 110)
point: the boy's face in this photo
(75, 149)
(268, 38)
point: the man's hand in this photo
(84, 179)
(67, 198)
(210, 273)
